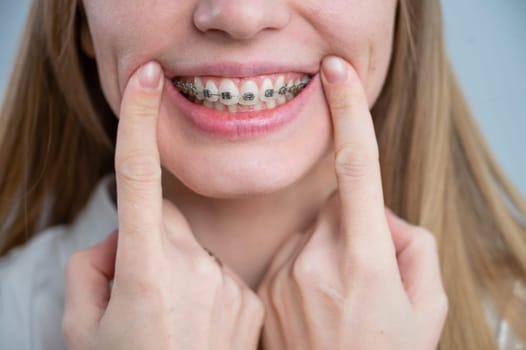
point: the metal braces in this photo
(189, 89)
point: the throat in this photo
(245, 233)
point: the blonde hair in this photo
(57, 139)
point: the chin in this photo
(235, 178)
(217, 166)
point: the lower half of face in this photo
(243, 111)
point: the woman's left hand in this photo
(361, 278)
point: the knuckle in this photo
(443, 303)
(255, 305)
(366, 268)
(263, 290)
(304, 271)
(426, 238)
(73, 264)
(205, 269)
(340, 100)
(142, 289)
(330, 297)
(356, 161)
(132, 229)
(139, 170)
(232, 292)
(144, 107)
(273, 292)
(438, 307)
(70, 330)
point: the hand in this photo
(360, 278)
(167, 292)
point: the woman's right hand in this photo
(167, 292)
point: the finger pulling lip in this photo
(240, 125)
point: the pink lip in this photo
(233, 69)
(241, 125)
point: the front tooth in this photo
(271, 104)
(267, 92)
(198, 84)
(306, 79)
(290, 87)
(280, 83)
(249, 93)
(219, 106)
(211, 88)
(208, 104)
(293, 86)
(297, 83)
(229, 94)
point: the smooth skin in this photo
(275, 184)
(361, 277)
(167, 292)
(358, 278)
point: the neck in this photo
(245, 233)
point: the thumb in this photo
(87, 283)
(418, 263)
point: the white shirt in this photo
(32, 279)
(32, 276)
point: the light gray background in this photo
(487, 43)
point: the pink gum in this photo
(287, 77)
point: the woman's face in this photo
(240, 41)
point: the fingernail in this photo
(150, 76)
(334, 69)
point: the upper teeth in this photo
(248, 94)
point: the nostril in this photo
(239, 19)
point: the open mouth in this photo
(242, 94)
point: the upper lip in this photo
(231, 69)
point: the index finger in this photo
(137, 161)
(356, 159)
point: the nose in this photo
(240, 19)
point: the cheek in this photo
(377, 67)
(371, 59)
(126, 34)
(362, 33)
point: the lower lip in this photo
(242, 125)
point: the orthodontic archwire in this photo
(189, 89)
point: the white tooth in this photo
(227, 86)
(289, 85)
(292, 83)
(267, 85)
(219, 106)
(198, 84)
(297, 82)
(212, 88)
(280, 82)
(208, 104)
(249, 87)
(232, 108)
(281, 100)
(271, 104)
